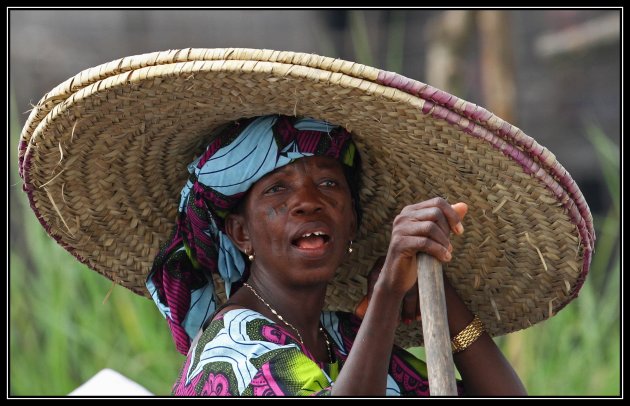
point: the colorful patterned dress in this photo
(243, 353)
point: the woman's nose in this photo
(307, 199)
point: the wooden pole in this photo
(437, 341)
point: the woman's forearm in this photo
(365, 370)
(482, 366)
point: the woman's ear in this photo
(236, 229)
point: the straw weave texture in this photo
(103, 157)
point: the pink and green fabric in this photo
(243, 353)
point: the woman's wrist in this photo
(467, 337)
(387, 297)
(391, 280)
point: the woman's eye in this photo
(329, 183)
(274, 189)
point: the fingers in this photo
(422, 227)
(426, 227)
(430, 237)
(461, 209)
(361, 308)
(431, 247)
(447, 216)
(433, 214)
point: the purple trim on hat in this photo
(22, 151)
(476, 121)
(470, 118)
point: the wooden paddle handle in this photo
(437, 340)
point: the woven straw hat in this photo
(103, 157)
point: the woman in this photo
(295, 219)
(271, 212)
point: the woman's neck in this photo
(300, 307)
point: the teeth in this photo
(314, 233)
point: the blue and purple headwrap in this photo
(239, 154)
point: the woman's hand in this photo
(423, 227)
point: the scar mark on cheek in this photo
(283, 209)
(271, 212)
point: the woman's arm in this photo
(484, 369)
(424, 227)
(365, 370)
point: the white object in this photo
(108, 382)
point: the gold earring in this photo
(251, 257)
(350, 248)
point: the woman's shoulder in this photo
(241, 326)
(236, 312)
(232, 349)
(232, 322)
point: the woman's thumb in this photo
(461, 209)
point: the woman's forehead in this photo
(320, 162)
(317, 162)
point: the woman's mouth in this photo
(311, 241)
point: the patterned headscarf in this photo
(239, 154)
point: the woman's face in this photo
(298, 220)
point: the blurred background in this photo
(556, 74)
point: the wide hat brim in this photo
(103, 157)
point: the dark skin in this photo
(312, 195)
(472, 359)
